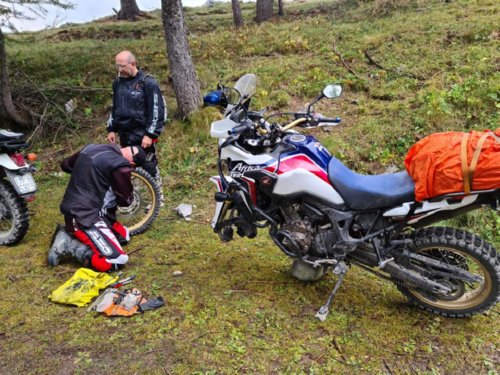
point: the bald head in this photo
(126, 64)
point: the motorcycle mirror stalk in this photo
(330, 92)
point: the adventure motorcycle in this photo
(17, 187)
(326, 216)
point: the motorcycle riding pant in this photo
(108, 254)
(151, 166)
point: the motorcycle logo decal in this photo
(239, 169)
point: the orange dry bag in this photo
(452, 162)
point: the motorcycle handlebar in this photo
(335, 120)
(238, 129)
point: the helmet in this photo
(213, 98)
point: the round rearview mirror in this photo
(332, 91)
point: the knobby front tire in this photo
(467, 251)
(14, 215)
(145, 207)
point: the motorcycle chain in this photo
(382, 275)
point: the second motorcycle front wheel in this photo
(140, 215)
(464, 250)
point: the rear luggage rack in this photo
(460, 195)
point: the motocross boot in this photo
(66, 246)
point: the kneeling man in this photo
(100, 180)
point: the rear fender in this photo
(7, 163)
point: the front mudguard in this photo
(220, 207)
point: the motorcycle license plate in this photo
(23, 183)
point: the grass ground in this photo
(235, 309)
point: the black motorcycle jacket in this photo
(138, 109)
(95, 169)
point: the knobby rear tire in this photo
(460, 247)
(141, 221)
(16, 211)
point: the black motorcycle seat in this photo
(6, 135)
(365, 192)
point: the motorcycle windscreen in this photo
(247, 85)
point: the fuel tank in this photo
(303, 169)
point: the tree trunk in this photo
(281, 12)
(264, 10)
(128, 10)
(238, 20)
(7, 109)
(185, 82)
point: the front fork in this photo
(231, 197)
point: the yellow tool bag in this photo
(82, 287)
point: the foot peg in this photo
(340, 270)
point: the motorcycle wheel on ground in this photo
(143, 211)
(14, 216)
(464, 250)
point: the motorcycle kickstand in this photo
(340, 270)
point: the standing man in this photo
(138, 113)
(91, 236)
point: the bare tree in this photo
(9, 11)
(264, 10)
(129, 11)
(7, 109)
(281, 12)
(238, 20)
(185, 81)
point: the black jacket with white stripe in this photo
(94, 170)
(138, 109)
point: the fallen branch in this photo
(76, 88)
(378, 65)
(373, 62)
(135, 250)
(337, 348)
(343, 61)
(387, 367)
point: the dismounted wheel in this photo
(14, 215)
(144, 209)
(464, 250)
